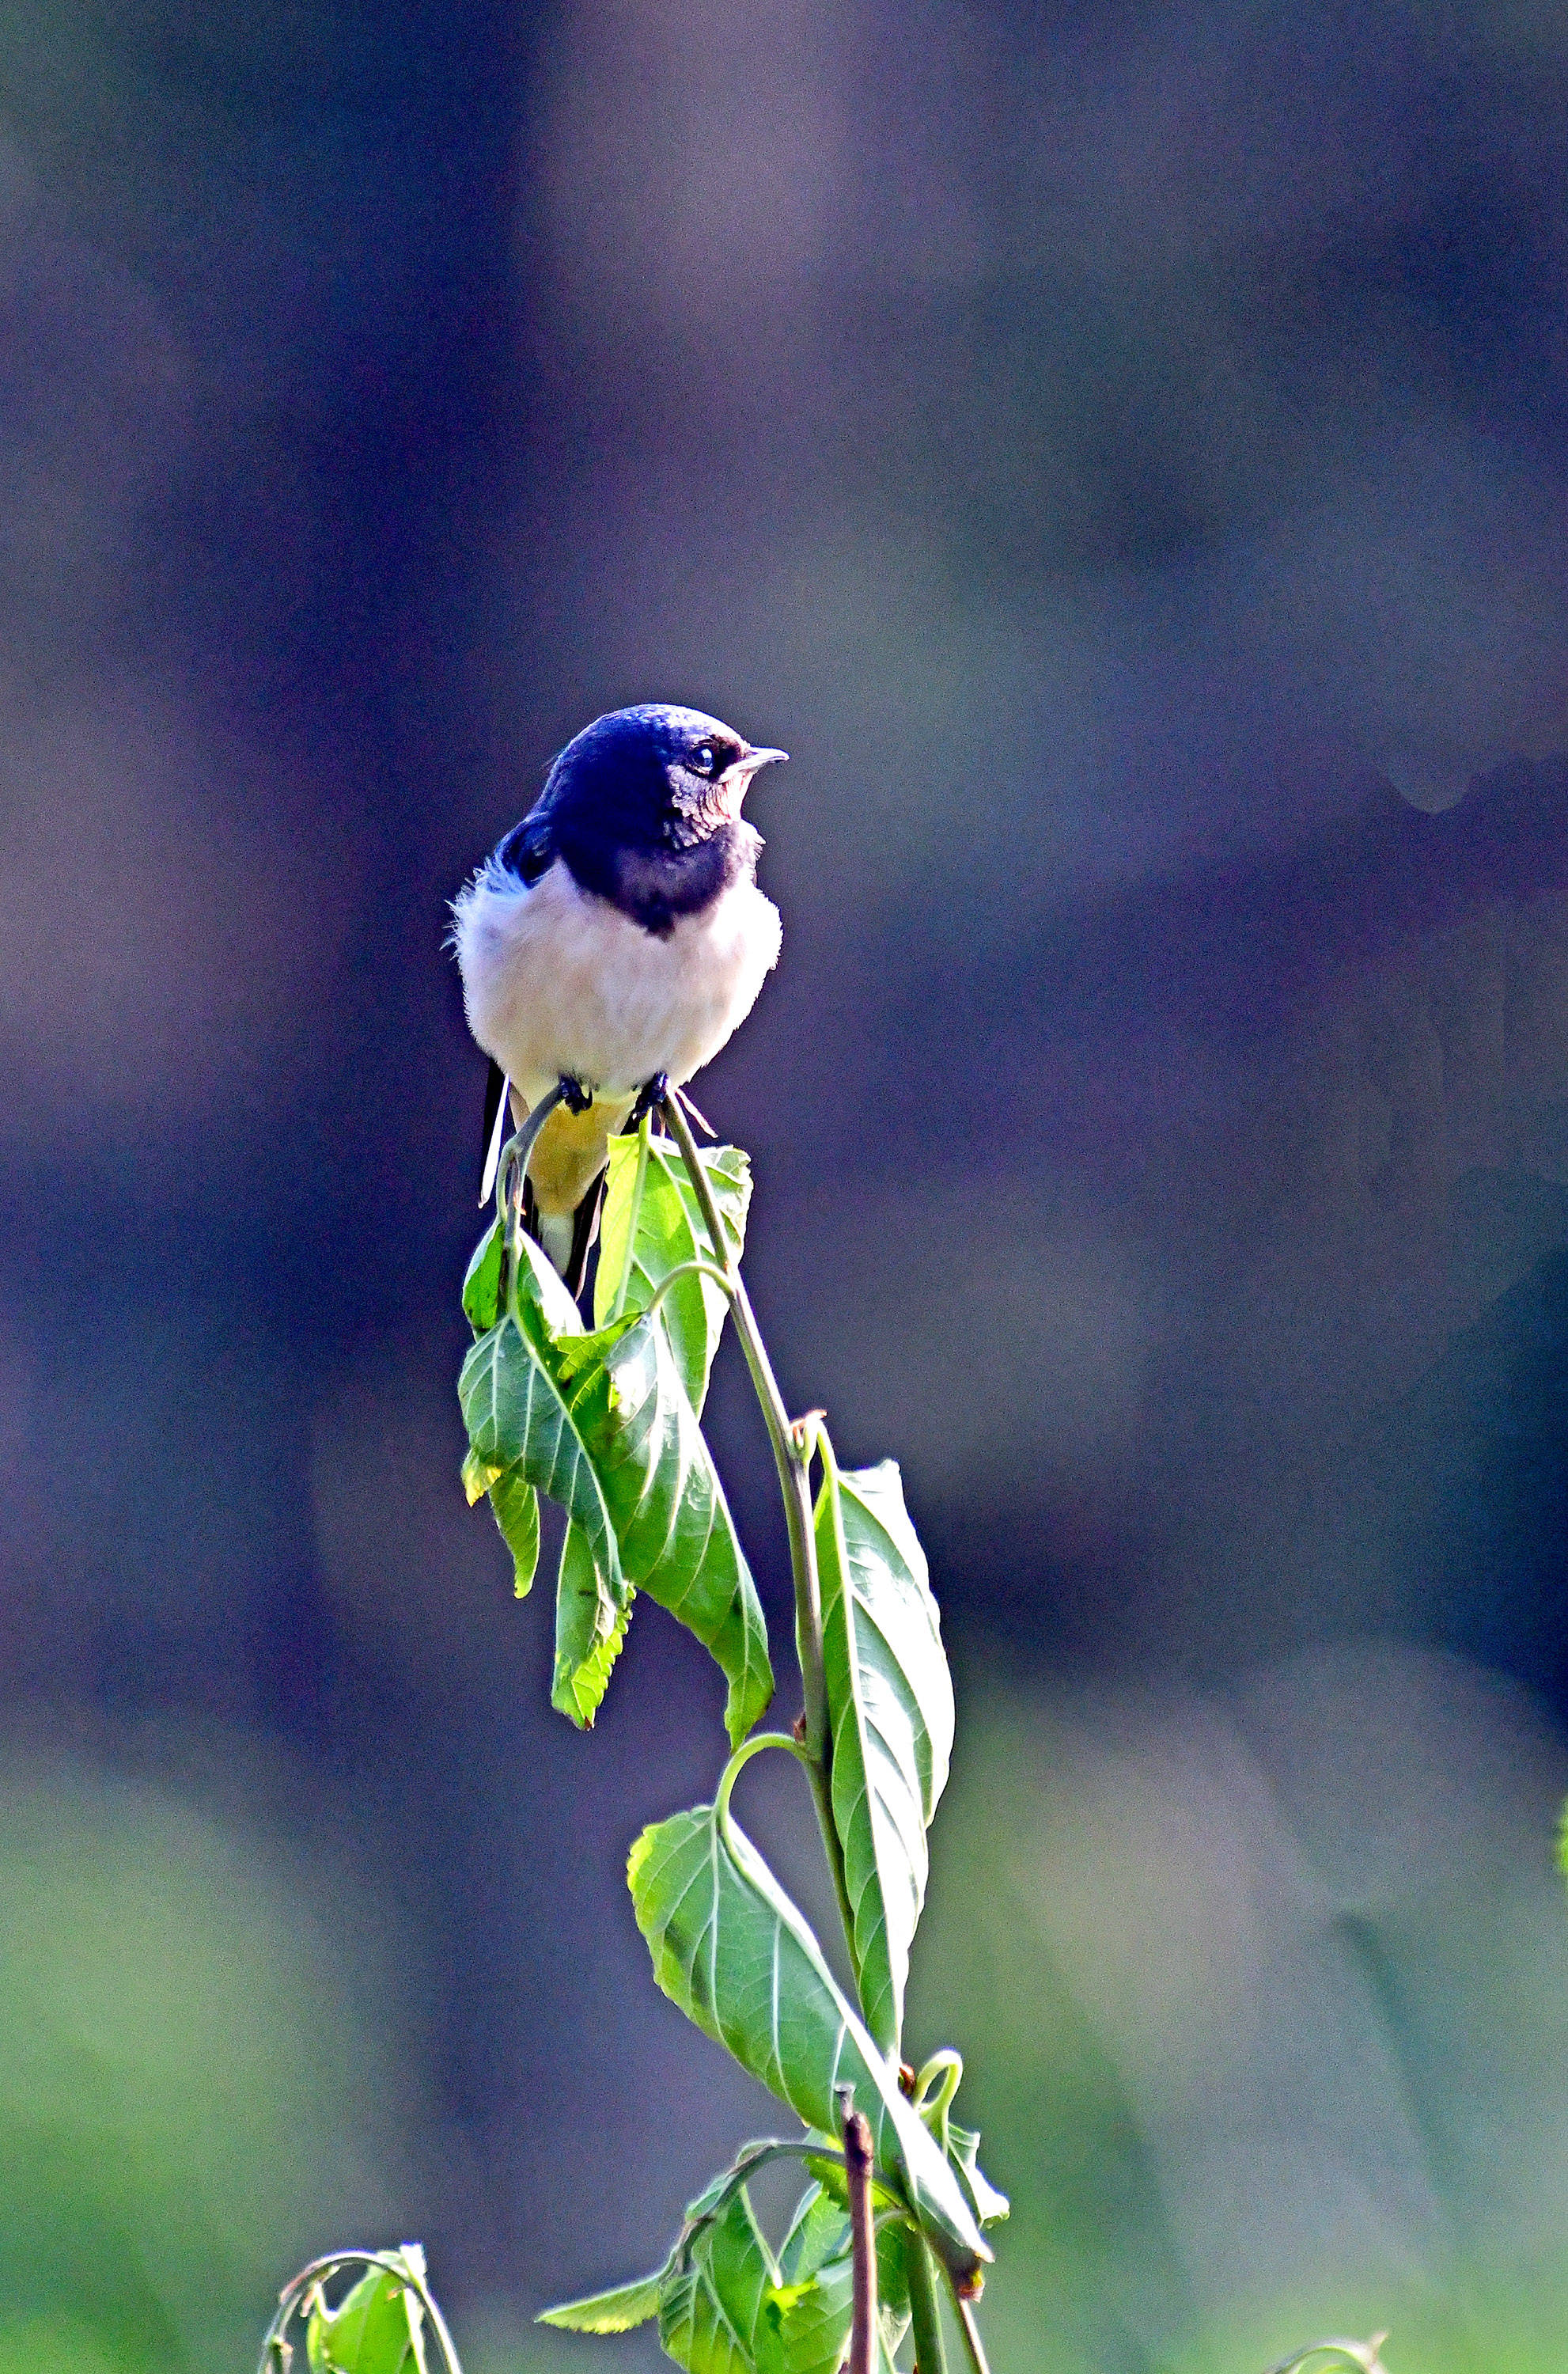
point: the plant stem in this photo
(925, 2316)
(512, 1168)
(755, 2157)
(971, 2332)
(863, 2236)
(792, 1456)
(677, 1277)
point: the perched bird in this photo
(614, 935)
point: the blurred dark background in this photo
(1122, 451)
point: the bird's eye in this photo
(705, 758)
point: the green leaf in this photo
(589, 1629)
(669, 1230)
(515, 1506)
(482, 1286)
(603, 1423)
(709, 2304)
(731, 1950)
(890, 1709)
(478, 1474)
(516, 1389)
(612, 2311)
(805, 2326)
(964, 2149)
(819, 2230)
(672, 1526)
(377, 2329)
(806, 2320)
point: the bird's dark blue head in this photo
(644, 809)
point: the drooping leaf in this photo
(669, 1230)
(612, 2311)
(482, 1286)
(708, 2307)
(731, 1950)
(589, 1629)
(516, 1389)
(672, 1526)
(601, 1422)
(377, 2329)
(515, 1505)
(890, 1709)
(964, 2149)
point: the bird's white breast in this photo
(557, 980)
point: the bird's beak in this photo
(736, 780)
(751, 762)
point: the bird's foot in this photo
(650, 1098)
(574, 1095)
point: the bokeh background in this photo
(1122, 451)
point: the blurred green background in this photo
(1122, 451)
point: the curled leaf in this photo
(964, 2149)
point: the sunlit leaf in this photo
(708, 2307)
(482, 1286)
(669, 1230)
(731, 1950)
(672, 1526)
(819, 2230)
(890, 1708)
(603, 1423)
(612, 2311)
(591, 1627)
(377, 2329)
(805, 2327)
(515, 1504)
(806, 2318)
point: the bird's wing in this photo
(495, 1116)
(527, 849)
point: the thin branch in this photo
(862, 2235)
(513, 1169)
(967, 2326)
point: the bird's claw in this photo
(574, 1095)
(650, 1098)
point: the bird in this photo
(610, 943)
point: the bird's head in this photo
(653, 778)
